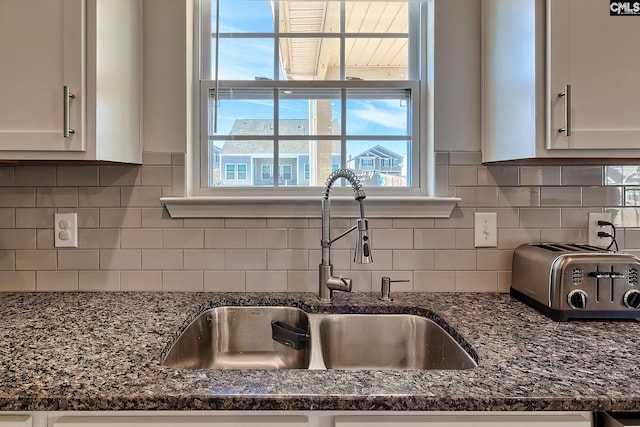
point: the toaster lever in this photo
(606, 275)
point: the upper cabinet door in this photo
(598, 57)
(42, 51)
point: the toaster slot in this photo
(606, 276)
(549, 246)
(588, 248)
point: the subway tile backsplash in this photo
(128, 242)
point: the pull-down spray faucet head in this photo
(362, 253)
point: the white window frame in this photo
(419, 202)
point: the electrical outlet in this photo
(486, 229)
(66, 230)
(594, 228)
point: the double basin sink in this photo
(263, 337)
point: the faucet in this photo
(327, 281)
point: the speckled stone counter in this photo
(102, 351)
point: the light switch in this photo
(66, 230)
(486, 229)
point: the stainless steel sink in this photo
(242, 338)
(238, 338)
(388, 341)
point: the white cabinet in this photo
(91, 47)
(532, 52)
(598, 56)
(184, 421)
(15, 421)
(490, 419)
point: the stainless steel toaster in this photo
(575, 281)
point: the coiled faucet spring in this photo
(350, 176)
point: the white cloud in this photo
(392, 117)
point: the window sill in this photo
(307, 207)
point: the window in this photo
(235, 172)
(266, 172)
(311, 85)
(306, 171)
(230, 171)
(242, 171)
(287, 172)
(366, 163)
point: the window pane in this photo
(309, 162)
(242, 112)
(379, 163)
(214, 176)
(376, 17)
(310, 58)
(248, 158)
(305, 16)
(241, 16)
(376, 59)
(377, 114)
(305, 112)
(244, 59)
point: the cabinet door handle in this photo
(566, 94)
(68, 96)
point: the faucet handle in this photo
(385, 288)
(339, 284)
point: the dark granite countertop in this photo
(101, 351)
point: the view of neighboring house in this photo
(242, 162)
(374, 163)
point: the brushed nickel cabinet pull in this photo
(68, 96)
(567, 110)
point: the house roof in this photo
(265, 127)
(380, 152)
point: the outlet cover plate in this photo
(594, 228)
(66, 230)
(486, 229)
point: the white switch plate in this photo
(66, 230)
(486, 229)
(594, 228)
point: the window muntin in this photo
(325, 114)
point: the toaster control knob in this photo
(631, 299)
(577, 299)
